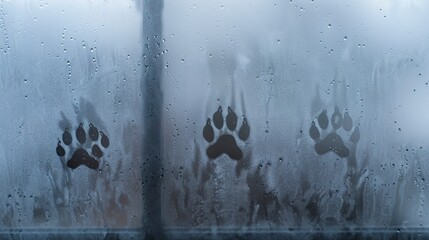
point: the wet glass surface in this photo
(71, 142)
(333, 98)
(215, 119)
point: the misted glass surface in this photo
(71, 121)
(294, 114)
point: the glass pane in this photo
(71, 121)
(295, 114)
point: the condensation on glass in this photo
(332, 97)
(272, 115)
(71, 121)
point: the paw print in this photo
(81, 153)
(333, 141)
(225, 142)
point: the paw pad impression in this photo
(82, 154)
(332, 141)
(225, 143)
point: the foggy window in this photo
(71, 118)
(302, 115)
(213, 119)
